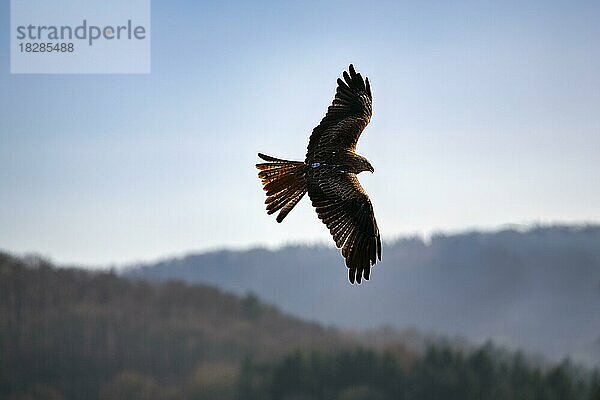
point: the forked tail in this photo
(284, 182)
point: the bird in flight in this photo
(328, 174)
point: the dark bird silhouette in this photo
(328, 174)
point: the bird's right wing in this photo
(344, 207)
(346, 117)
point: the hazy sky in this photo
(485, 113)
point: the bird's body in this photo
(328, 174)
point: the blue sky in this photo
(485, 113)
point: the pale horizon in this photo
(278, 245)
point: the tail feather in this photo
(284, 182)
(269, 158)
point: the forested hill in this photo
(537, 289)
(70, 334)
(71, 331)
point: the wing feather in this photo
(346, 210)
(346, 117)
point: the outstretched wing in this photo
(346, 117)
(345, 208)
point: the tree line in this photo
(441, 373)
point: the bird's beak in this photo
(372, 169)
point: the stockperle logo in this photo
(80, 36)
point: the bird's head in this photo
(362, 164)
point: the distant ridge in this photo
(530, 288)
(74, 334)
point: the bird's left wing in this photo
(344, 207)
(346, 117)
